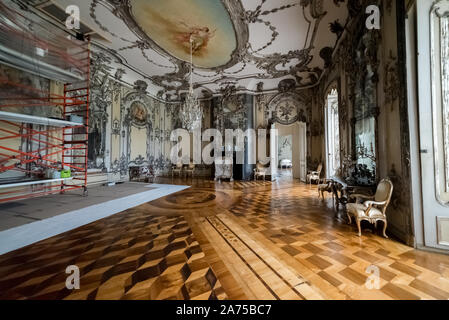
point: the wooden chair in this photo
(190, 170)
(315, 175)
(260, 171)
(372, 210)
(176, 169)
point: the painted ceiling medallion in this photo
(168, 25)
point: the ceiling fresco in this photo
(171, 23)
(250, 45)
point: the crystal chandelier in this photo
(191, 112)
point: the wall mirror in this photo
(365, 79)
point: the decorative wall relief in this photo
(326, 55)
(400, 192)
(391, 79)
(287, 108)
(262, 102)
(343, 112)
(101, 97)
(286, 85)
(230, 110)
(138, 123)
(140, 127)
(234, 112)
(97, 139)
(116, 127)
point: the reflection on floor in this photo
(241, 240)
(285, 174)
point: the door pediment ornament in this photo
(287, 108)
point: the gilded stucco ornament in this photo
(343, 112)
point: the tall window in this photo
(333, 134)
(440, 95)
(444, 59)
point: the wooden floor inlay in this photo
(240, 240)
(277, 278)
(136, 257)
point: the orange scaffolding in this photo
(57, 144)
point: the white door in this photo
(299, 151)
(433, 100)
(273, 151)
(303, 151)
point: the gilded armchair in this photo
(315, 175)
(260, 171)
(373, 209)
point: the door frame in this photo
(299, 149)
(428, 211)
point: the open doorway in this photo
(295, 135)
(333, 162)
(285, 157)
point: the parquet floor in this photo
(241, 240)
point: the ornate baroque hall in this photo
(224, 150)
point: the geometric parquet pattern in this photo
(128, 256)
(240, 240)
(330, 252)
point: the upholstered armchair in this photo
(190, 170)
(374, 207)
(315, 175)
(176, 169)
(260, 171)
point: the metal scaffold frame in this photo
(57, 144)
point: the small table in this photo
(346, 190)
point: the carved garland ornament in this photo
(392, 85)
